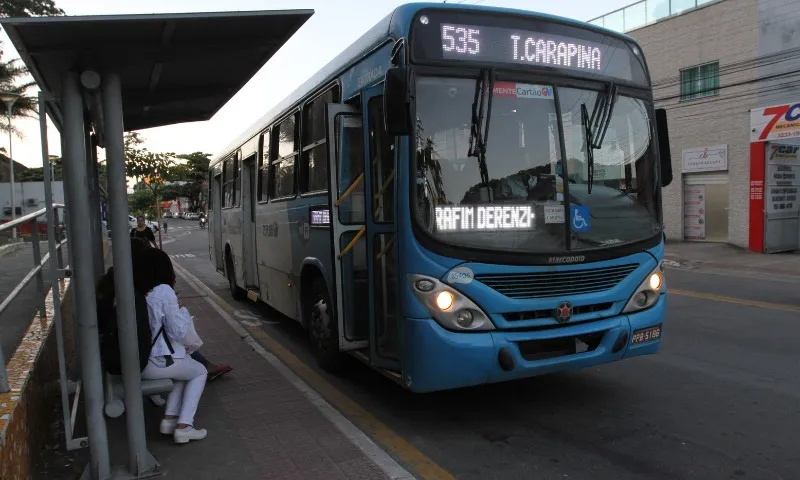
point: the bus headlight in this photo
(648, 293)
(449, 307)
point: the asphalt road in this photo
(14, 321)
(721, 400)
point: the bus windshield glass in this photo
(523, 206)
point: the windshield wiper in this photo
(596, 126)
(479, 130)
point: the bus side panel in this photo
(284, 240)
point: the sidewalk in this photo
(260, 425)
(722, 256)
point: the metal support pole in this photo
(57, 232)
(94, 195)
(37, 260)
(75, 182)
(11, 166)
(140, 461)
(52, 239)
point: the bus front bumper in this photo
(438, 359)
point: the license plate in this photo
(646, 335)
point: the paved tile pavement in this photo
(260, 425)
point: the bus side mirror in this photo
(396, 105)
(664, 154)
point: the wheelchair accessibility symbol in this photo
(579, 216)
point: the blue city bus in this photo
(465, 195)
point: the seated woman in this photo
(169, 323)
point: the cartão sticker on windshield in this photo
(460, 275)
(554, 214)
(523, 90)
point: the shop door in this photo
(781, 207)
(705, 207)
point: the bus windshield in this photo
(523, 207)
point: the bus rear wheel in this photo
(323, 327)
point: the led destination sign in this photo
(484, 218)
(504, 45)
(520, 42)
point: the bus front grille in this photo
(556, 284)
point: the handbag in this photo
(192, 340)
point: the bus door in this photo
(216, 225)
(249, 268)
(362, 220)
(379, 183)
(346, 153)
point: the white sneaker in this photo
(167, 426)
(184, 435)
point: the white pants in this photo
(189, 377)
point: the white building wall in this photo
(727, 32)
(29, 196)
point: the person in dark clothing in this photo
(143, 232)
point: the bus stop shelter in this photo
(99, 77)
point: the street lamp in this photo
(10, 98)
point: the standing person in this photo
(143, 231)
(165, 227)
(169, 324)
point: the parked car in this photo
(132, 223)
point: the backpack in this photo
(109, 334)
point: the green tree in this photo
(14, 75)
(29, 8)
(150, 169)
(141, 202)
(195, 172)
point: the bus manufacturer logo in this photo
(567, 259)
(563, 312)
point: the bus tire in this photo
(323, 327)
(236, 292)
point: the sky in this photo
(333, 27)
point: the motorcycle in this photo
(203, 222)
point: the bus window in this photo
(314, 163)
(229, 181)
(382, 156)
(285, 136)
(237, 179)
(211, 190)
(263, 169)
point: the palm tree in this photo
(14, 78)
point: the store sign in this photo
(775, 122)
(783, 179)
(705, 159)
(694, 212)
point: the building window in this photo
(700, 81)
(314, 163)
(284, 158)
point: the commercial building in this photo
(728, 74)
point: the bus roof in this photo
(395, 25)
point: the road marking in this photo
(182, 255)
(302, 376)
(721, 298)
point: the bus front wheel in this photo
(323, 329)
